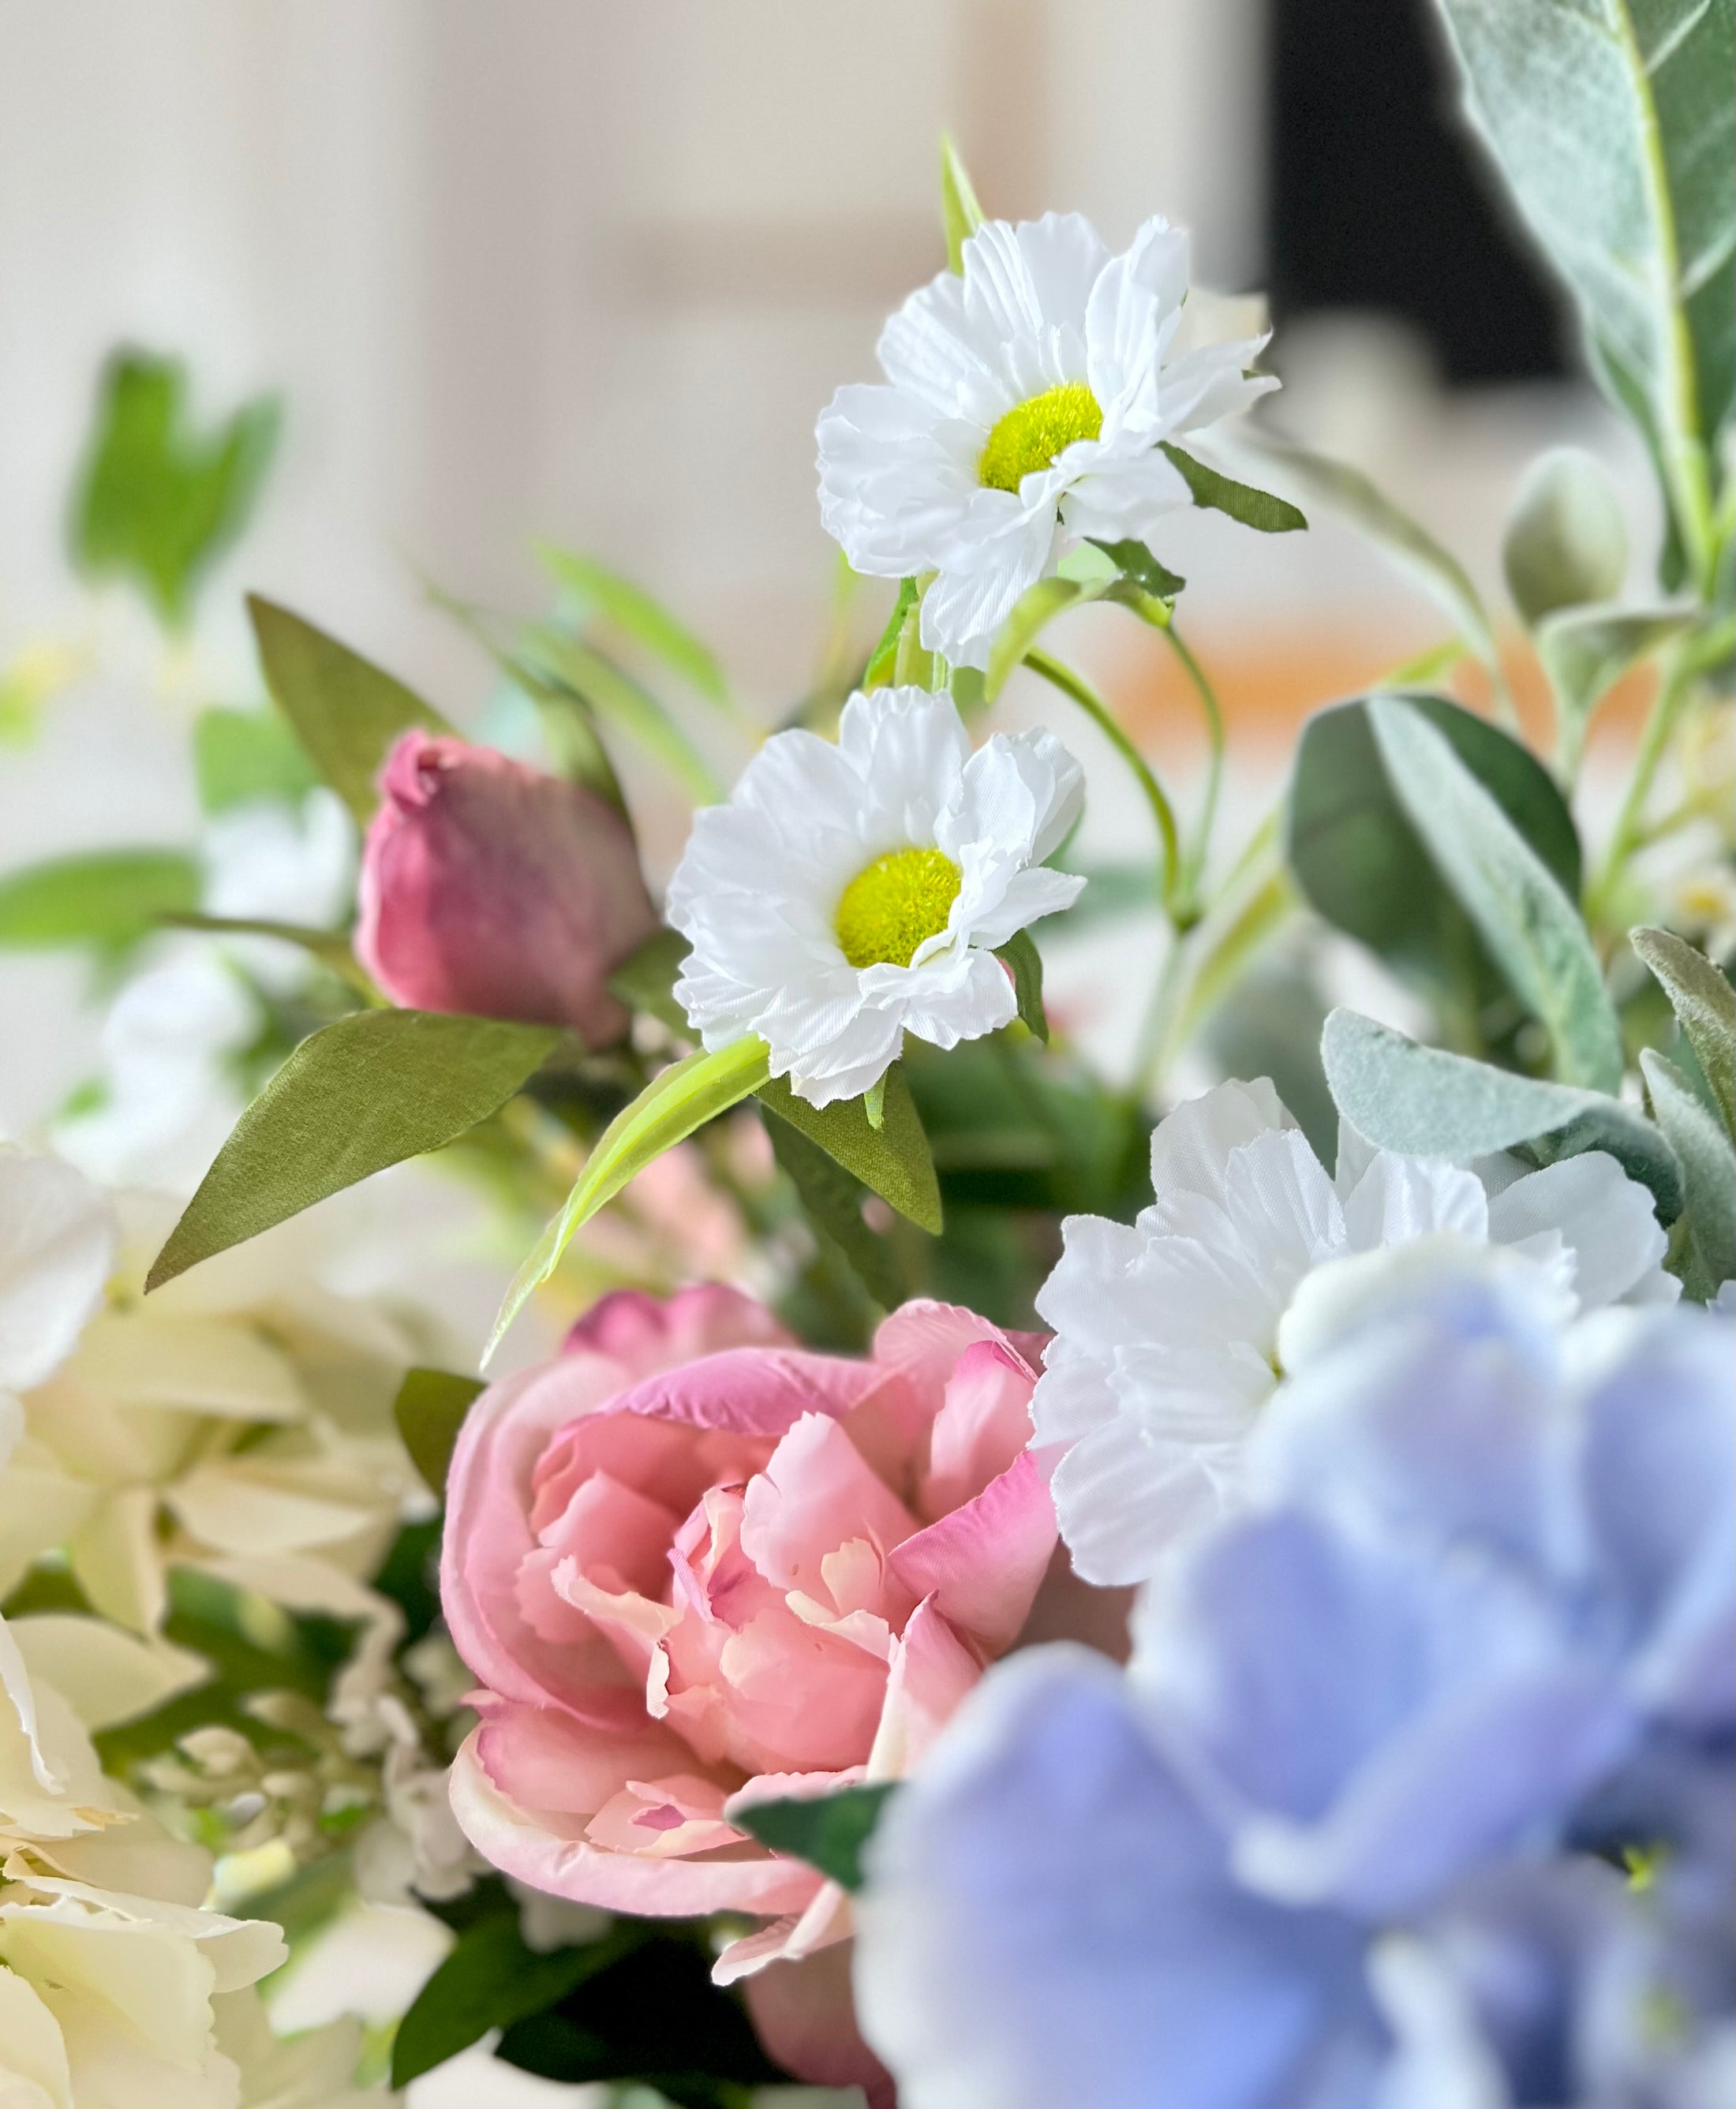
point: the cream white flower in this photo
(1024, 404)
(1171, 1335)
(849, 894)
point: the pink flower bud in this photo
(489, 888)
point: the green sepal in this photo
(1021, 955)
(1134, 561)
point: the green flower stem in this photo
(1195, 863)
(1072, 684)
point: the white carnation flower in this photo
(1027, 399)
(848, 895)
(1171, 1335)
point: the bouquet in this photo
(1018, 1587)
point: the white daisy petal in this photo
(848, 895)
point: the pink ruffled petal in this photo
(932, 1670)
(646, 1334)
(544, 1761)
(984, 1424)
(816, 1492)
(983, 1564)
(753, 1391)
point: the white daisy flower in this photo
(1026, 400)
(848, 895)
(1170, 1336)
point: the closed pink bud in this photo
(492, 888)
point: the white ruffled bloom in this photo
(1171, 1335)
(849, 894)
(1024, 404)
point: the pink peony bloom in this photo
(489, 888)
(695, 1565)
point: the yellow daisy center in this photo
(1033, 433)
(890, 910)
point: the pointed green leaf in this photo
(111, 898)
(892, 1158)
(369, 1091)
(1136, 562)
(884, 656)
(1022, 955)
(429, 1411)
(620, 701)
(159, 502)
(639, 615)
(960, 213)
(243, 755)
(1532, 930)
(345, 711)
(1436, 570)
(1222, 494)
(1708, 1166)
(828, 1830)
(682, 1097)
(1587, 650)
(832, 1201)
(1423, 1102)
(1705, 1005)
(1614, 124)
(645, 979)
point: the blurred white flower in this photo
(1170, 1336)
(849, 894)
(1026, 401)
(56, 1247)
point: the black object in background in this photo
(1379, 198)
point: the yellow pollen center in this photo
(1032, 434)
(888, 912)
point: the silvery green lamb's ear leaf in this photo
(1436, 570)
(1364, 868)
(109, 898)
(832, 1201)
(1222, 494)
(1530, 927)
(960, 213)
(1613, 122)
(369, 1091)
(1423, 1102)
(345, 711)
(884, 656)
(429, 1411)
(645, 979)
(680, 1098)
(828, 1830)
(1566, 544)
(1708, 1169)
(1587, 650)
(1705, 1006)
(638, 614)
(1134, 561)
(1021, 955)
(892, 1158)
(621, 702)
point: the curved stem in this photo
(1196, 855)
(1654, 742)
(1082, 693)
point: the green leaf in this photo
(621, 702)
(1708, 1166)
(645, 979)
(1705, 1006)
(242, 755)
(1613, 122)
(1362, 865)
(489, 1980)
(892, 1158)
(639, 615)
(960, 213)
(430, 1409)
(884, 656)
(1022, 955)
(111, 898)
(1436, 570)
(159, 502)
(1222, 494)
(1531, 928)
(827, 1831)
(681, 1098)
(369, 1091)
(833, 1202)
(345, 711)
(1136, 562)
(1424, 1102)
(1587, 650)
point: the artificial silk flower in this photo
(1024, 404)
(1172, 1335)
(846, 895)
